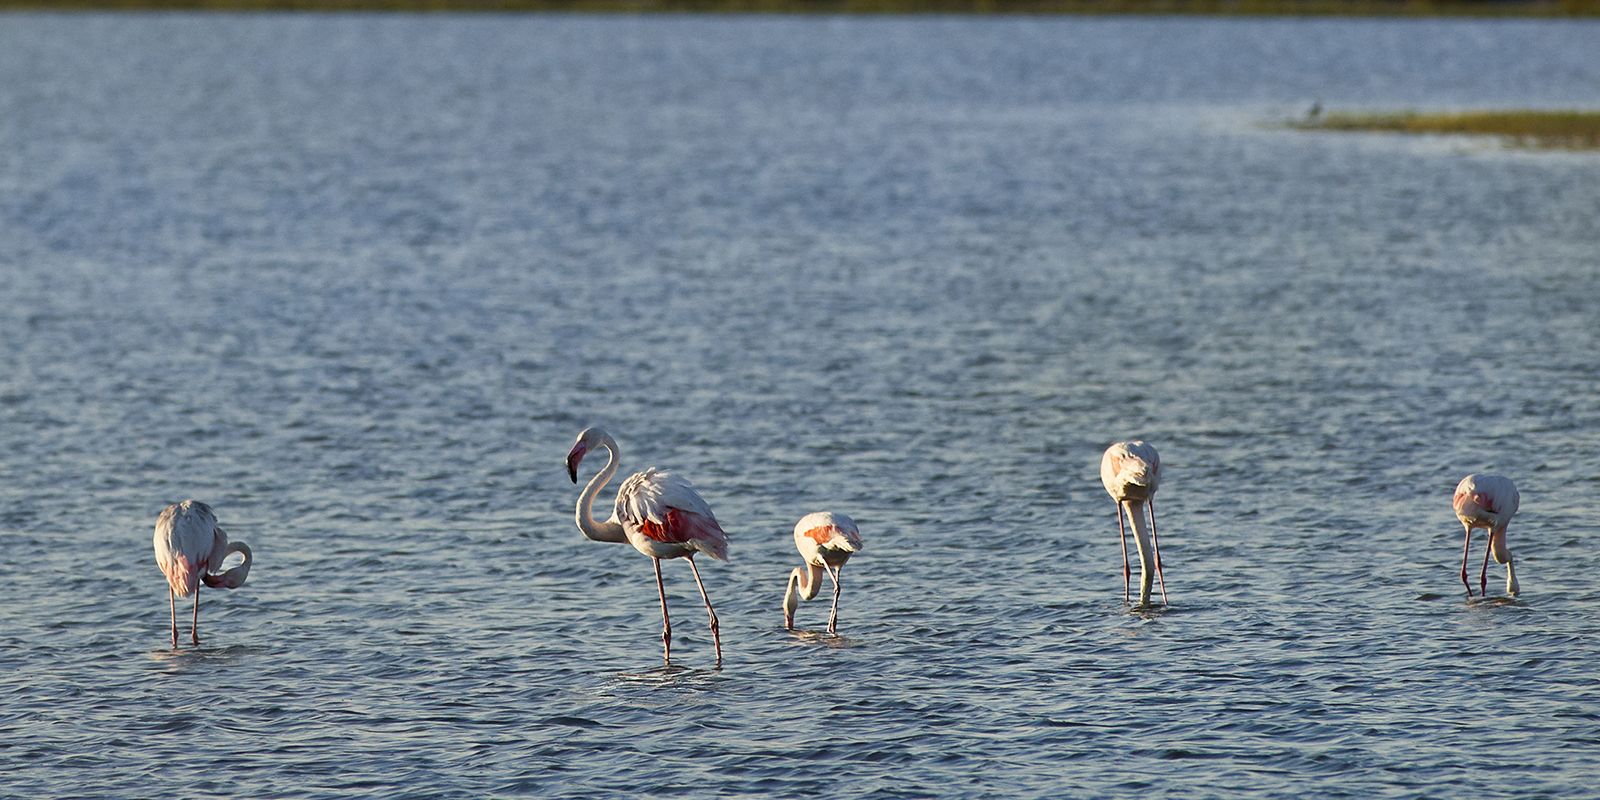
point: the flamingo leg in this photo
(1483, 575)
(194, 624)
(1155, 544)
(172, 608)
(716, 634)
(1465, 548)
(1122, 535)
(666, 622)
(833, 616)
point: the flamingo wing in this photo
(666, 508)
(830, 530)
(186, 537)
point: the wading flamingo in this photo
(1130, 472)
(825, 541)
(190, 549)
(658, 513)
(1487, 501)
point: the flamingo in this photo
(659, 513)
(1130, 472)
(190, 548)
(1489, 502)
(825, 541)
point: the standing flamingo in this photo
(658, 513)
(1130, 472)
(190, 548)
(1487, 501)
(825, 541)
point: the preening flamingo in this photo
(1489, 502)
(190, 548)
(825, 541)
(1131, 471)
(658, 513)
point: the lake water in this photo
(358, 282)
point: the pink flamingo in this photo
(658, 513)
(1131, 471)
(190, 548)
(825, 541)
(1489, 502)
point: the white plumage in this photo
(826, 540)
(1131, 472)
(190, 548)
(658, 513)
(1488, 502)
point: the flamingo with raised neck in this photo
(659, 513)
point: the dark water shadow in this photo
(189, 655)
(822, 638)
(670, 676)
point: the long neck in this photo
(233, 578)
(803, 585)
(1147, 558)
(600, 531)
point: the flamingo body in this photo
(1488, 502)
(659, 513)
(1131, 473)
(664, 517)
(826, 540)
(190, 548)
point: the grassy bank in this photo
(1388, 8)
(1555, 129)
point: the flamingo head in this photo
(591, 438)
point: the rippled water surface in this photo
(359, 281)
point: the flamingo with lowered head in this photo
(825, 540)
(1131, 471)
(1489, 502)
(658, 513)
(190, 548)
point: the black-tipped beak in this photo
(572, 462)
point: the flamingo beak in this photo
(573, 458)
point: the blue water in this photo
(359, 281)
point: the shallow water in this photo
(359, 281)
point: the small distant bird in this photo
(1487, 501)
(825, 541)
(190, 548)
(1315, 111)
(658, 513)
(1131, 471)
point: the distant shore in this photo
(1329, 8)
(1568, 130)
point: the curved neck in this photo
(233, 578)
(803, 585)
(600, 531)
(1141, 537)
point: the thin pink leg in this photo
(1122, 536)
(1483, 575)
(833, 616)
(716, 631)
(1155, 544)
(666, 622)
(194, 624)
(1465, 548)
(172, 608)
